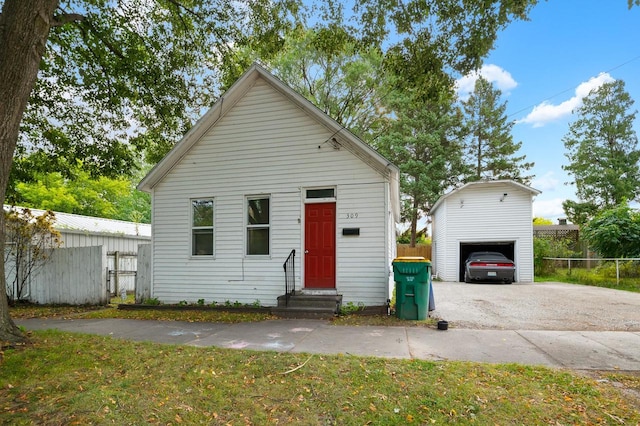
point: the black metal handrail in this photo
(289, 276)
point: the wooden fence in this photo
(81, 276)
(423, 250)
(74, 276)
(143, 278)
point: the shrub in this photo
(549, 247)
(628, 269)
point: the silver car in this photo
(489, 266)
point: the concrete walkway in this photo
(580, 350)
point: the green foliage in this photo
(615, 232)
(602, 149)
(629, 269)
(329, 67)
(423, 142)
(201, 302)
(112, 198)
(436, 37)
(28, 241)
(421, 238)
(579, 212)
(542, 221)
(602, 276)
(550, 247)
(351, 308)
(152, 301)
(490, 152)
(137, 74)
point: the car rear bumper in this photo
(491, 274)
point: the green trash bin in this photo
(412, 276)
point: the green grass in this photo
(591, 277)
(25, 311)
(65, 378)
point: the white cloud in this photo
(547, 112)
(499, 77)
(548, 209)
(546, 183)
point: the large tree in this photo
(490, 152)
(602, 148)
(79, 78)
(329, 67)
(422, 140)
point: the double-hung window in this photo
(258, 225)
(202, 227)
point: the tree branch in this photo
(65, 18)
(179, 5)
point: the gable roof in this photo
(513, 183)
(74, 223)
(228, 100)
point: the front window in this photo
(202, 227)
(258, 225)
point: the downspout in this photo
(153, 245)
(388, 249)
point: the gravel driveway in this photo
(536, 306)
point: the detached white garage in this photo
(483, 216)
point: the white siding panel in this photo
(265, 145)
(439, 240)
(362, 274)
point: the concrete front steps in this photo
(309, 303)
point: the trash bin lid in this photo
(405, 259)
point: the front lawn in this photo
(65, 378)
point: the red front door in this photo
(320, 245)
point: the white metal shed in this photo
(483, 215)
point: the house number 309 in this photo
(351, 215)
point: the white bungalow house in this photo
(483, 216)
(262, 176)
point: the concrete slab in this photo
(602, 350)
(277, 335)
(491, 346)
(588, 350)
(176, 333)
(387, 342)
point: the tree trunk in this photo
(24, 29)
(414, 223)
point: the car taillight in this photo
(503, 265)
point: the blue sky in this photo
(544, 66)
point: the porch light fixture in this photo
(503, 197)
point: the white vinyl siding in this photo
(267, 145)
(476, 214)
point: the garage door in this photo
(505, 247)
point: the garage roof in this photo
(67, 222)
(513, 183)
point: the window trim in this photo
(192, 228)
(248, 226)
